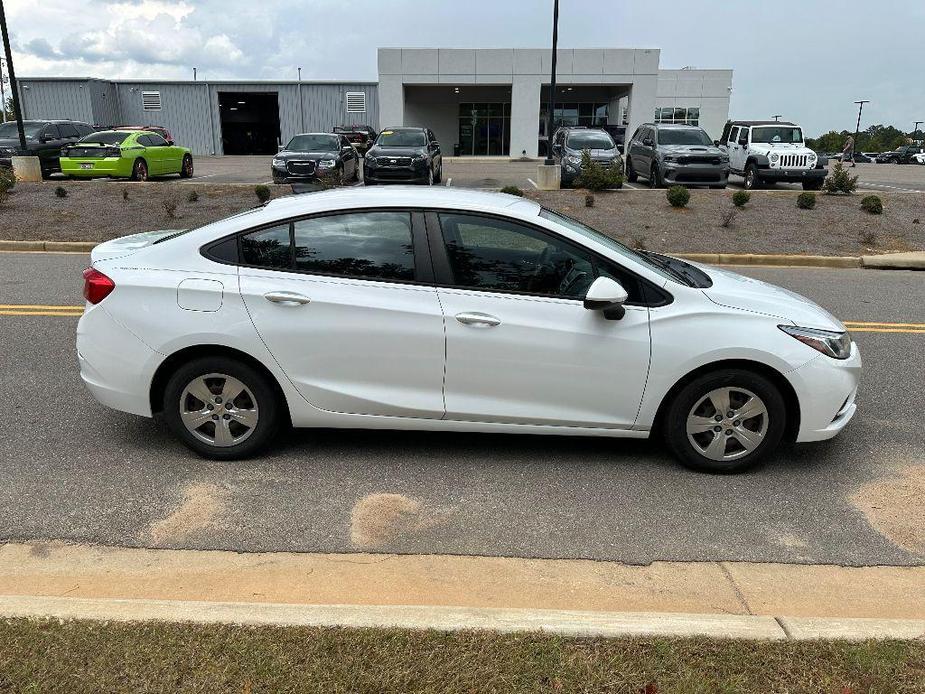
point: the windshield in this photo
(314, 143)
(401, 138)
(589, 140)
(106, 138)
(8, 130)
(777, 134)
(605, 240)
(683, 136)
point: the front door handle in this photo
(287, 298)
(478, 319)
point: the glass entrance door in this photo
(484, 129)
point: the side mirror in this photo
(280, 148)
(170, 143)
(46, 138)
(716, 143)
(648, 142)
(620, 148)
(743, 141)
(557, 148)
(608, 296)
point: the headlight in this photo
(369, 159)
(419, 158)
(279, 163)
(812, 156)
(573, 160)
(774, 158)
(326, 163)
(832, 344)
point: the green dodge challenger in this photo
(135, 154)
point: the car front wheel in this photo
(140, 170)
(751, 177)
(221, 408)
(725, 421)
(186, 170)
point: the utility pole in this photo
(551, 108)
(2, 92)
(17, 112)
(915, 128)
(301, 105)
(857, 128)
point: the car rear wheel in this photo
(725, 421)
(631, 174)
(186, 170)
(221, 408)
(751, 177)
(140, 170)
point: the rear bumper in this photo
(826, 389)
(792, 174)
(91, 167)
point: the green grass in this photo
(84, 656)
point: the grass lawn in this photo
(84, 656)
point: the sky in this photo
(808, 60)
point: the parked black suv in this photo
(312, 155)
(569, 142)
(44, 139)
(404, 155)
(904, 154)
(360, 136)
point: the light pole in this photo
(857, 128)
(915, 128)
(776, 117)
(17, 112)
(194, 74)
(2, 92)
(551, 108)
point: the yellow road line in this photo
(887, 330)
(44, 307)
(41, 313)
(863, 324)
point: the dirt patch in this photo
(201, 506)
(380, 519)
(894, 507)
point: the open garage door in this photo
(250, 122)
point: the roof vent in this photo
(356, 102)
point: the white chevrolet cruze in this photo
(452, 310)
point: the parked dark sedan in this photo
(44, 139)
(314, 155)
(404, 155)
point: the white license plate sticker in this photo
(86, 165)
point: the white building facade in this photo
(493, 102)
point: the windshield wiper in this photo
(672, 267)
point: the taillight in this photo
(97, 286)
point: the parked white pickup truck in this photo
(771, 151)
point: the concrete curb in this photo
(564, 622)
(48, 246)
(914, 260)
(772, 259)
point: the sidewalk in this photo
(764, 600)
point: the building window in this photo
(484, 129)
(590, 114)
(356, 102)
(151, 101)
(679, 115)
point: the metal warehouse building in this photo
(478, 101)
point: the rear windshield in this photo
(590, 140)
(314, 143)
(401, 138)
(107, 138)
(9, 130)
(671, 136)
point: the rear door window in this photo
(269, 248)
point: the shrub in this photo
(192, 196)
(728, 217)
(589, 200)
(872, 204)
(806, 201)
(678, 196)
(596, 177)
(61, 192)
(740, 198)
(170, 207)
(7, 179)
(262, 192)
(840, 181)
(513, 190)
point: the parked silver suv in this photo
(675, 155)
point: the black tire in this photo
(681, 407)
(655, 178)
(752, 180)
(631, 174)
(267, 406)
(356, 171)
(812, 185)
(139, 170)
(186, 168)
(438, 177)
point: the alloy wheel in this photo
(219, 410)
(727, 424)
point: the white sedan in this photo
(451, 310)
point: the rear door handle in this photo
(287, 298)
(478, 319)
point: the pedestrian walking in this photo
(847, 152)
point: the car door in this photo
(435, 154)
(346, 304)
(738, 152)
(520, 346)
(49, 148)
(168, 158)
(642, 157)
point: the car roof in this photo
(762, 122)
(405, 127)
(677, 126)
(318, 133)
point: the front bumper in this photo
(694, 174)
(826, 389)
(90, 167)
(395, 174)
(770, 174)
(569, 171)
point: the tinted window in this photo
(83, 129)
(143, 140)
(110, 137)
(155, 140)
(363, 244)
(267, 248)
(777, 134)
(51, 131)
(314, 143)
(495, 254)
(683, 136)
(590, 140)
(32, 129)
(67, 130)
(401, 138)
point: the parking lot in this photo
(496, 173)
(79, 472)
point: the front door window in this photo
(484, 129)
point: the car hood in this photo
(397, 151)
(768, 147)
(126, 245)
(13, 143)
(597, 154)
(747, 294)
(691, 149)
(288, 154)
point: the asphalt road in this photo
(75, 471)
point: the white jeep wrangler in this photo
(770, 151)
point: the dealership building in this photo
(479, 102)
